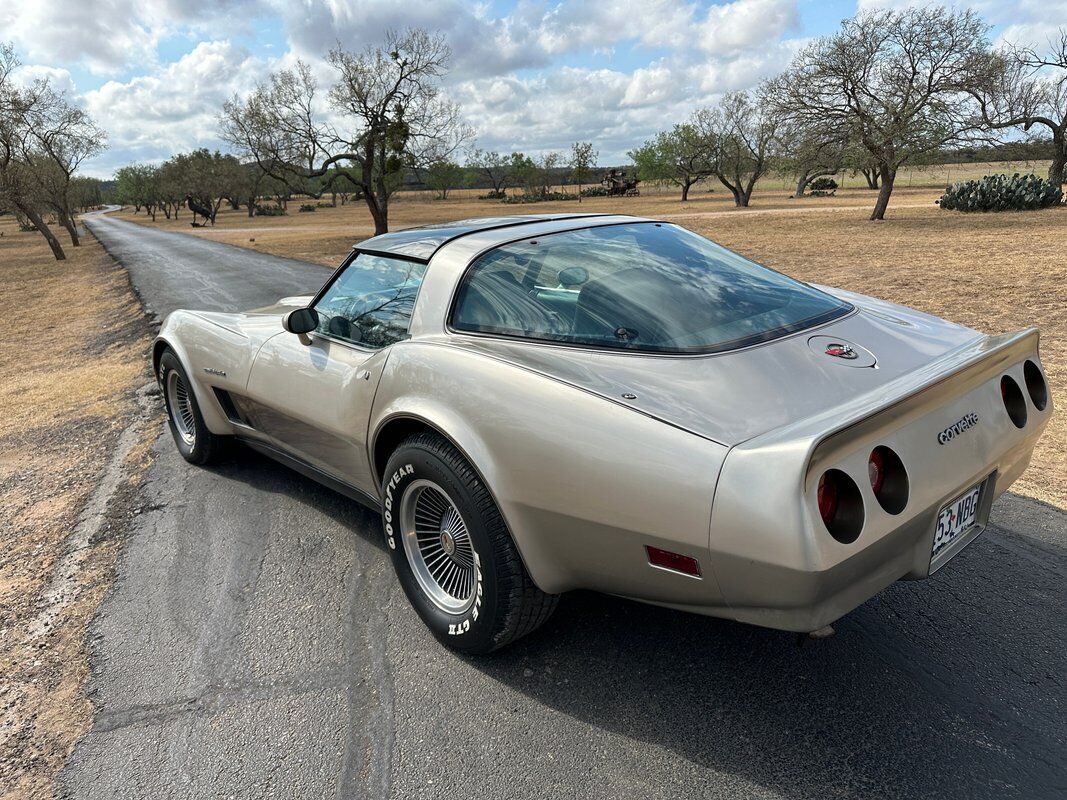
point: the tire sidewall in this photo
(476, 628)
(169, 363)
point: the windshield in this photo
(639, 286)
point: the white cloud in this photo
(60, 78)
(537, 76)
(742, 25)
(175, 107)
(106, 36)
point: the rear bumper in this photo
(777, 566)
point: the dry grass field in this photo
(70, 358)
(994, 272)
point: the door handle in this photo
(364, 374)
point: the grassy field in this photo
(994, 272)
(70, 358)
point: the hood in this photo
(258, 324)
(732, 397)
(285, 305)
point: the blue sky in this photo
(528, 74)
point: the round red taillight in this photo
(840, 505)
(876, 470)
(827, 499)
(889, 479)
(1014, 403)
(1035, 385)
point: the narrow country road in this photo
(256, 645)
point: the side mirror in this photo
(301, 321)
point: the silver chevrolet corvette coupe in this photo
(544, 403)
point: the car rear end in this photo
(813, 518)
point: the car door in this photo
(312, 395)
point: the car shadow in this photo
(949, 687)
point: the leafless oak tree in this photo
(898, 83)
(387, 114)
(1027, 88)
(744, 140)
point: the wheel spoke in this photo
(438, 546)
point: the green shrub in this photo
(308, 207)
(1001, 193)
(538, 198)
(595, 191)
(493, 194)
(269, 211)
(822, 187)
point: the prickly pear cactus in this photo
(1001, 193)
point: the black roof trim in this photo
(421, 243)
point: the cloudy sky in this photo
(528, 75)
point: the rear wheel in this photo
(195, 442)
(452, 551)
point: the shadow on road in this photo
(950, 687)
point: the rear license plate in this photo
(956, 518)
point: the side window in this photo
(370, 303)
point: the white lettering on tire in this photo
(387, 513)
(460, 628)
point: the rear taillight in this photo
(1035, 385)
(827, 499)
(876, 470)
(1014, 403)
(889, 479)
(840, 505)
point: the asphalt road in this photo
(256, 645)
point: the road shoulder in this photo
(73, 443)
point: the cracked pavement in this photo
(256, 645)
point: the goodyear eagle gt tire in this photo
(452, 551)
(195, 442)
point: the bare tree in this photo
(583, 159)
(443, 177)
(391, 113)
(744, 138)
(1027, 88)
(501, 170)
(810, 151)
(898, 81)
(682, 156)
(20, 190)
(61, 137)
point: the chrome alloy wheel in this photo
(438, 546)
(181, 407)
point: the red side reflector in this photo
(673, 561)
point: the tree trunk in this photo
(802, 184)
(886, 175)
(1059, 159)
(72, 228)
(379, 211)
(252, 208)
(872, 178)
(685, 190)
(45, 231)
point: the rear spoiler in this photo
(909, 396)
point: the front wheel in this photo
(195, 442)
(452, 551)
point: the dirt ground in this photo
(71, 358)
(994, 272)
